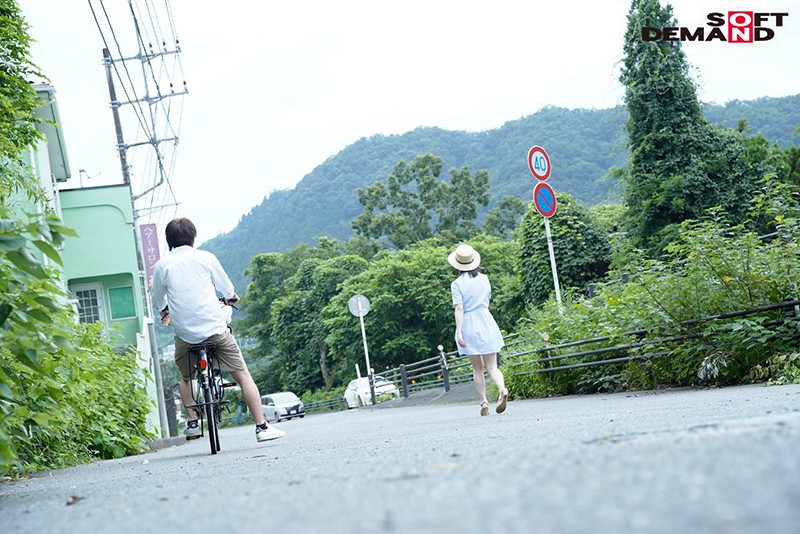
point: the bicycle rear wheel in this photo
(213, 431)
(216, 392)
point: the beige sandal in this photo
(502, 401)
(484, 408)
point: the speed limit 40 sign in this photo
(539, 163)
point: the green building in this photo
(101, 266)
(101, 269)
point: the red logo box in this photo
(740, 27)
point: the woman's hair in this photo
(180, 232)
(473, 273)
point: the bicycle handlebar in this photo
(231, 301)
(165, 320)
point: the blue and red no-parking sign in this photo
(544, 198)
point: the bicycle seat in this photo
(207, 346)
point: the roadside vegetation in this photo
(65, 396)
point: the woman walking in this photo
(477, 333)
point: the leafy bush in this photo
(79, 404)
(713, 269)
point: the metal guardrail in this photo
(330, 405)
(790, 314)
(449, 368)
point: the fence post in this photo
(591, 291)
(445, 368)
(404, 379)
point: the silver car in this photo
(283, 405)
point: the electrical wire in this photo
(149, 62)
(158, 165)
(162, 172)
(137, 105)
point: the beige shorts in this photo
(227, 352)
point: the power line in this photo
(140, 113)
(150, 64)
(156, 166)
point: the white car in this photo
(283, 405)
(358, 394)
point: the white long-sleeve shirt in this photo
(187, 279)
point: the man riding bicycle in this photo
(186, 281)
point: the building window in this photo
(121, 302)
(88, 306)
(90, 302)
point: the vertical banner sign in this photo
(150, 250)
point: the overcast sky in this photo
(275, 88)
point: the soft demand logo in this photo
(742, 27)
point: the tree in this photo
(411, 311)
(270, 273)
(403, 210)
(503, 219)
(581, 250)
(680, 165)
(18, 99)
(283, 303)
(298, 330)
(460, 198)
(790, 170)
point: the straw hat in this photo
(464, 258)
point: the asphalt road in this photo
(698, 461)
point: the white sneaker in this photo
(269, 433)
(192, 430)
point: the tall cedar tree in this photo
(680, 165)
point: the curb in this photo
(158, 444)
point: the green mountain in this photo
(582, 144)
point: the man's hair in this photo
(180, 232)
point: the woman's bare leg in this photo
(477, 376)
(490, 360)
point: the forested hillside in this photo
(583, 145)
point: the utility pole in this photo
(123, 158)
(145, 58)
(148, 312)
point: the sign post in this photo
(553, 262)
(359, 306)
(544, 199)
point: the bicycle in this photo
(209, 392)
